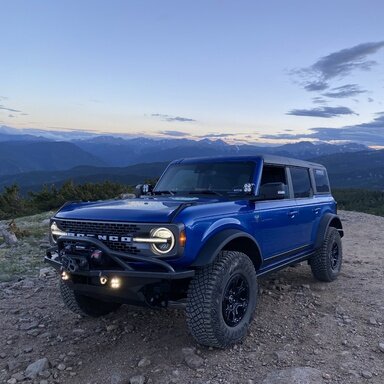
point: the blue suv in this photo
(199, 240)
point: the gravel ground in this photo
(303, 332)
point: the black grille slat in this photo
(106, 229)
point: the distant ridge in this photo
(31, 158)
(27, 156)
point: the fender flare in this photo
(217, 242)
(329, 220)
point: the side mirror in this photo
(143, 189)
(273, 191)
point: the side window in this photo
(273, 183)
(321, 180)
(301, 182)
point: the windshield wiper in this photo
(164, 193)
(205, 192)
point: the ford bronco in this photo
(199, 240)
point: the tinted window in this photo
(321, 180)
(273, 179)
(228, 177)
(301, 182)
(273, 174)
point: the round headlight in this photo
(56, 232)
(164, 240)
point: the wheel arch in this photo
(329, 220)
(229, 240)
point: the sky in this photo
(243, 71)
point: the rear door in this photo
(305, 204)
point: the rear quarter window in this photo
(301, 182)
(321, 180)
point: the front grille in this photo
(107, 229)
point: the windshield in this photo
(206, 178)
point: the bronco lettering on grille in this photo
(121, 239)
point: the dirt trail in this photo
(336, 328)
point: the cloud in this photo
(371, 133)
(8, 109)
(217, 135)
(337, 65)
(174, 133)
(173, 118)
(316, 86)
(318, 100)
(11, 116)
(326, 112)
(347, 90)
(370, 100)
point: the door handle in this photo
(316, 210)
(293, 213)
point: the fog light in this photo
(115, 283)
(103, 280)
(64, 276)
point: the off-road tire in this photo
(327, 260)
(205, 318)
(84, 305)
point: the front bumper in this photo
(136, 273)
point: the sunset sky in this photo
(245, 71)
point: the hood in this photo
(156, 210)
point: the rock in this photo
(191, 359)
(8, 236)
(28, 349)
(140, 379)
(381, 347)
(298, 375)
(372, 321)
(12, 365)
(111, 327)
(45, 335)
(282, 356)
(187, 350)
(35, 368)
(43, 382)
(19, 376)
(366, 374)
(12, 381)
(29, 326)
(129, 328)
(78, 331)
(45, 374)
(44, 245)
(144, 362)
(3, 355)
(27, 284)
(34, 332)
(61, 367)
(45, 272)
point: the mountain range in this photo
(33, 159)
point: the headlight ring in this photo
(164, 246)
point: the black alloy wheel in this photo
(335, 255)
(235, 301)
